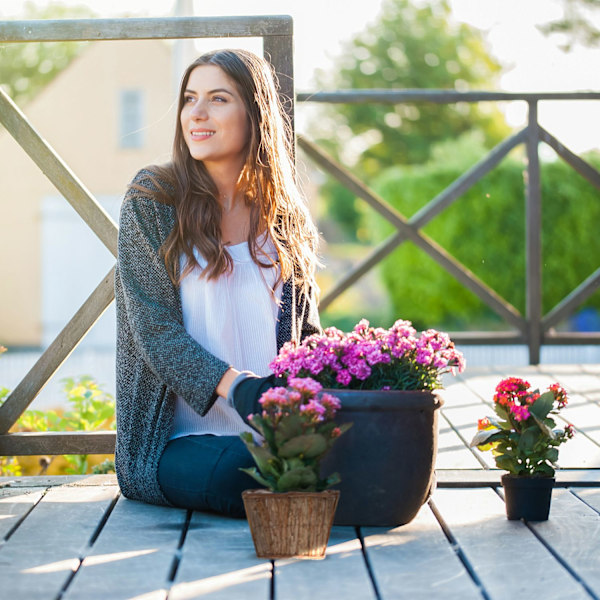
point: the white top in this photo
(234, 317)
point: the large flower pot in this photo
(290, 524)
(527, 497)
(386, 459)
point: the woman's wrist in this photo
(226, 382)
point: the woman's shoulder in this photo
(148, 203)
(155, 183)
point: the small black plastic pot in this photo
(386, 459)
(527, 497)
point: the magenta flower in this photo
(371, 357)
(520, 413)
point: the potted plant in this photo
(524, 441)
(386, 381)
(293, 516)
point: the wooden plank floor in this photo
(78, 538)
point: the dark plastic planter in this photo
(527, 497)
(386, 459)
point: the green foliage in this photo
(485, 230)
(105, 467)
(91, 409)
(577, 24)
(411, 45)
(25, 68)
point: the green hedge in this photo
(485, 230)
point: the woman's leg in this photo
(201, 472)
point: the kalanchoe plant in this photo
(297, 427)
(371, 358)
(524, 439)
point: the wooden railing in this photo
(277, 35)
(533, 328)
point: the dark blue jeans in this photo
(201, 472)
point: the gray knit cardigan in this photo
(156, 357)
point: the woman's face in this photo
(213, 119)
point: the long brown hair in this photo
(267, 181)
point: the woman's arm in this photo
(153, 308)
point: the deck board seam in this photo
(178, 553)
(584, 501)
(368, 565)
(563, 562)
(85, 551)
(457, 549)
(20, 521)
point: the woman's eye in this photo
(187, 99)
(219, 99)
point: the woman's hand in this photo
(246, 390)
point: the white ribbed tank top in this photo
(234, 317)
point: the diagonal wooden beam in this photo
(58, 351)
(572, 301)
(58, 172)
(408, 232)
(365, 265)
(461, 185)
(581, 166)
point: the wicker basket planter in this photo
(290, 524)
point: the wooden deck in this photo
(77, 538)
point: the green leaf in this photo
(545, 470)
(506, 463)
(290, 426)
(547, 431)
(502, 413)
(258, 477)
(302, 479)
(310, 446)
(528, 440)
(542, 406)
(266, 462)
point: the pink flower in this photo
(331, 404)
(520, 413)
(560, 394)
(314, 410)
(274, 398)
(305, 385)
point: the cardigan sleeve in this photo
(153, 308)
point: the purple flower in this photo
(367, 356)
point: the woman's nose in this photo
(198, 110)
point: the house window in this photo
(131, 122)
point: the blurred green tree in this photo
(578, 24)
(27, 67)
(411, 45)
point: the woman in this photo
(215, 271)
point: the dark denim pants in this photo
(201, 472)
